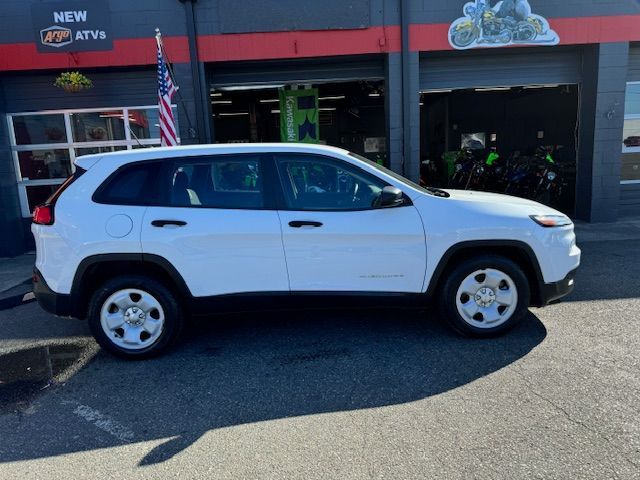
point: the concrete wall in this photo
(602, 117)
(11, 228)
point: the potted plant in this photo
(72, 82)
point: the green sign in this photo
(299, 116)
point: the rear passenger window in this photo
(131, 185)
(224, 181)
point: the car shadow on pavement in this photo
(249, 368)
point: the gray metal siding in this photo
(297, 71)
(238, 16)
(429, 11)
(25, 92)
(493, 68)
(129, 19)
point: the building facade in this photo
(401, 81)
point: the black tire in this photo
(173, 321)
(450, 285)
(464, 38)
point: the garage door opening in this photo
(351, 115)
(516, 140)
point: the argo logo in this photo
(56, 36)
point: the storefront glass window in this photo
(98, 126)
(144, 123)
(632, 99)
(630, 171)
(46, 143)
(39, 129)
(44, 164)
(92, 150)
(37, 194)
(631, 133)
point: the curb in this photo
(16, 299)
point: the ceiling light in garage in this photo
(335, 97)
(222, 102)
(492, 89)
(232, 114)
(269, 100)
(527, 87)
(239, 88)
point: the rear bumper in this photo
(556, 290)
(50, 301)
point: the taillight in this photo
(43, 214)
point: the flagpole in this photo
(172, 75)
(164, 52)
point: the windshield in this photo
(391, 173)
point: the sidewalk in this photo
(16, 270)
(625, 229)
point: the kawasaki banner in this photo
(299, 116)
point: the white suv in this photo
(136, 241)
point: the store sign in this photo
(299, 119)
(508, 22)
(72, 26)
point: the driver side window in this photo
(313, 182)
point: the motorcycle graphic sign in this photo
(508, 22)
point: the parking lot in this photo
(338, 394)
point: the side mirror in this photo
(390, 197)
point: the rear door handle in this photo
(162, 223)
(304, 223)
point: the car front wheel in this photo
(134, 317)
(485, 296)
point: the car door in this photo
(335, 240)
(216, 226)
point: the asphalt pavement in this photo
(337, 394)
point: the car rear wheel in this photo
(485, 296)
(134, 317)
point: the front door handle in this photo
(304, 223)
(162, 223)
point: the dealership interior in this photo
(351, 115)
(513, 122)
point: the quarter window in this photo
(312, 182)
(131, 185)
(224, 181)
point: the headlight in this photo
(551, 220)
(551, 176)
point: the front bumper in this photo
(57, 303)
(556, 290)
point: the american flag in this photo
(166, 89)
